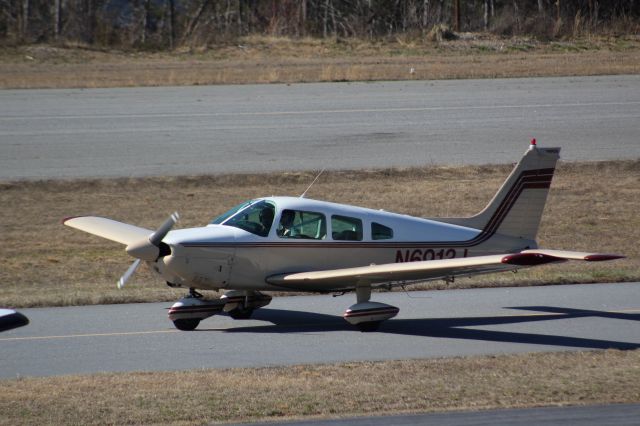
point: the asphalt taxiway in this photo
(594, 415)
(309, 329)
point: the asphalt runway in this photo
(310, 329)
(214, 129)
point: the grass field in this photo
(592, 206)
(320, 391)
(259, 59)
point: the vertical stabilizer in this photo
(517, 207)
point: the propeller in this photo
(148, 249)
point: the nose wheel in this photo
(186, 324)
(187, 312)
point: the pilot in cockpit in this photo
(266, 219)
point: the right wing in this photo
(331, 280)
(337, 279)
(119, 232)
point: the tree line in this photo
(162, 24)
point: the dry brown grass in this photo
(592, 206)
(364, 388)
(283, 60)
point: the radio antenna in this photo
(314, 181)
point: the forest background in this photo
(169, 24)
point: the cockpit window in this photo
(256, 218)
(302, 224)
(226, 215)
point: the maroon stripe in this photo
(601, 257)
(530, 259)
(189, 309)
(376, 311)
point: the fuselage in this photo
(237, 252)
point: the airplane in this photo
(10, 319)
(303, 245)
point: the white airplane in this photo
(303, 245)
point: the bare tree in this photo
(171, 21)
(193, 22)
(57, 15)
(425, 14)
(144, 25)
(455, 14)
(485, 15)
(24, 19)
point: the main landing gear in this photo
(187, 313)
(366, 315)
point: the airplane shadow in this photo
(287, 321)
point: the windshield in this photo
(226, 215)
(256, 218)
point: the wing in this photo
(110, 229)
(337, 279)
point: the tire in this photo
(367, 327)
(241, 313)
(188, 324)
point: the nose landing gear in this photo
(187, 312)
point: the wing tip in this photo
(68, 218)
(599, 257)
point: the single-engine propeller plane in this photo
(303, 245)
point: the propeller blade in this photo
(123, 280)
(147, 249)
(164, 229)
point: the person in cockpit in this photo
(286, 223)
(266, 219)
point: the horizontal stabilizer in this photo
(110, 229)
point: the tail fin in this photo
(517, 207)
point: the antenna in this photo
(314, 181)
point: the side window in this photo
(302, 224)
(346, 228)
(381, 232)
